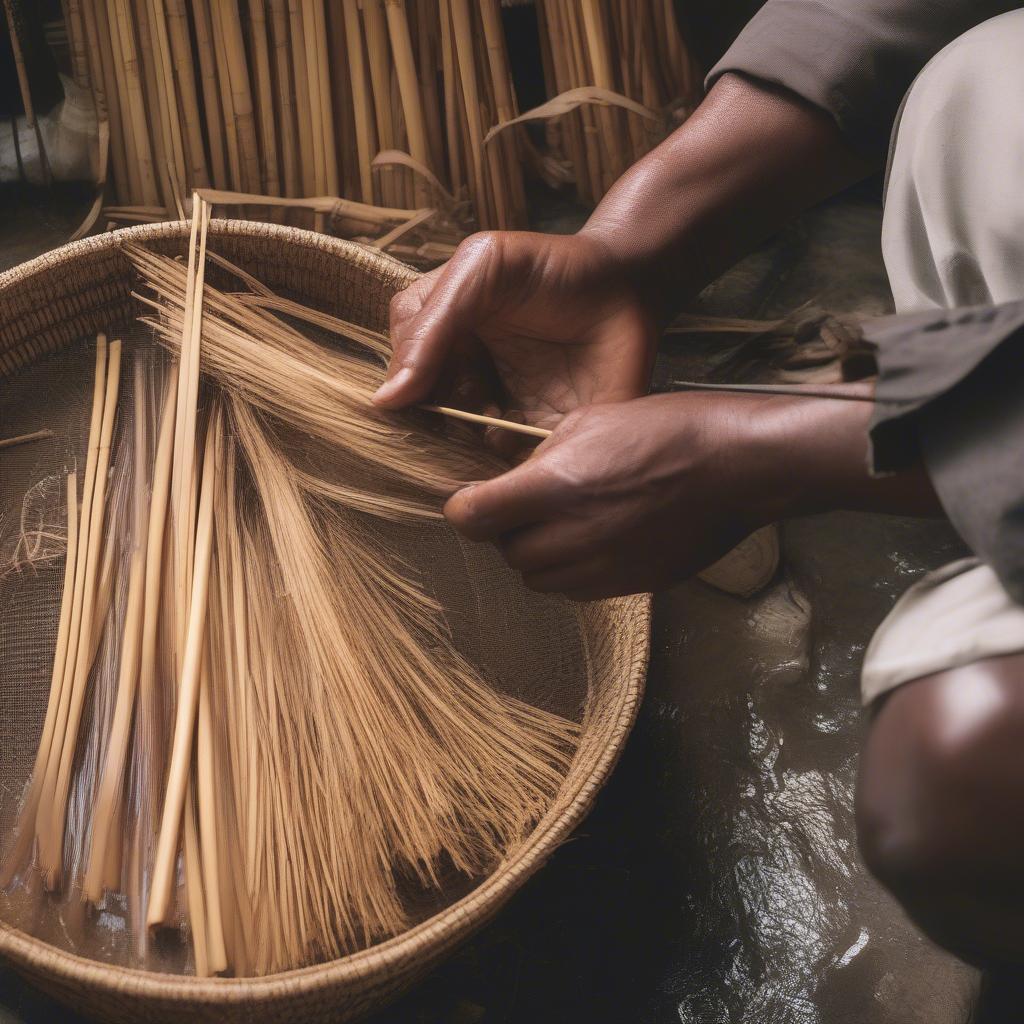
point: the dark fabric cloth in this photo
(854, 59)
(950, 382)
(951, 391)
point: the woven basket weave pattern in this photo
(84, 287)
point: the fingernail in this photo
(389, 387)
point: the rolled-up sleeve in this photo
(855, 59)
(950, 392)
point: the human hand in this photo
(521, 324)
(627, 497)
(634, 496)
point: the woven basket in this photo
(83, 287)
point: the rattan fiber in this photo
(83, 287)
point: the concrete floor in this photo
(717, 879)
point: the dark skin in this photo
(632, 493)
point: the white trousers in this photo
(953, 235)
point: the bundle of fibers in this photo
(412, 764)
(387, 465)
(288, 757)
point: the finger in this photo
(449, 314)
(593, 575)
(548, 545)
(409, 301)
(518, 498)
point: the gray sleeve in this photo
(854, 59)
(951, 392)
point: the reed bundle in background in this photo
(234, 581)
(384, 103)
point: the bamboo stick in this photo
(303, 122)
(185, 77)
(205, 762)
(188, 699)
(26, 92)
(154, 106)
(211, 94)
(104, 91)
(127, 63)
(264, 96)
(101, 865)
(43, 825)
(76, 41)
(241, 95)
(284, 94)
(232, 144)
(322, 66)
(451, 93)
(488, 421)
(365, 140)
(35, 435)
(408, 84)
(346, 155)
(378, 63)
(463, 33)
(52, 866)
(314, 112)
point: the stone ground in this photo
(717, 880)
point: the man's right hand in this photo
(521, 324)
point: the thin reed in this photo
(402, 105)
(261, 735)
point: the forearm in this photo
(813, 457)
(749, 159)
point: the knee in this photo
(939, 797)
(953, 183)
(979, 70)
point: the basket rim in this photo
(454, 922)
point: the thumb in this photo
(449, 314)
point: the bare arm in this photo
(750, 158)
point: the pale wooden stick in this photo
(232, 143)
(241, 96)
(26, 92)
(505, 107)
(121, 23)
(155, 107)
(462, 25)
(264, 96)
(36, 435)
(103, 863)
(451, 99)
(378, 63)
(27, 817)
(284, 94)
(155, 543)
(103, 90)
(206, 792)
(322, 64)
(75, 635)
(365, 140)
(188, 700)
(302, 100)
(315, 112)
(211, 94)
(408, 86)
(52, 868)
(184, 72)
(193, 887)
(489, 421)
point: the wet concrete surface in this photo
(718, 880)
